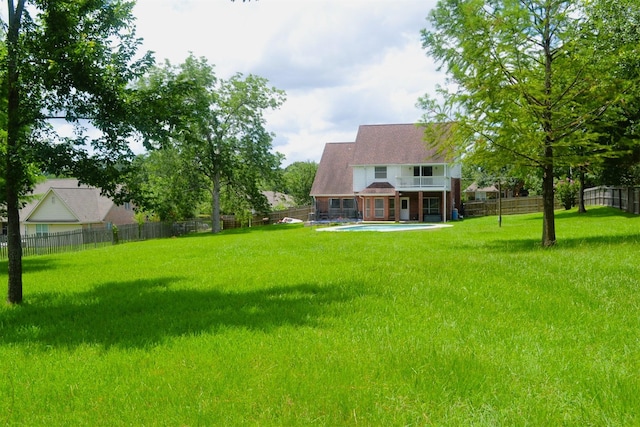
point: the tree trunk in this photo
(548, 208)
(14, 169)
(581, 207)
(499, 204)
(548, 218)
(14, 246)
(215, 204)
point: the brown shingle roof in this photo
(379, 188)
(334, 175)
(394, 144)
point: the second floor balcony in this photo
(423, 182)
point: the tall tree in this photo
(165, 184)
(620, 127)
(69, 60)
(298, 179)
(215, 124)
(527, 78)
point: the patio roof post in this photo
(444, 213)
(397, 206)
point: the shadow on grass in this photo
(30, 264)
(142, 313)
(595, 213)
(592, 212)
(527, 245)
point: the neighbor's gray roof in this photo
(275, 198)
(334, 175)
(396, 144)
(474, 187)
(85, 202)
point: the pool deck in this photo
(385, 226)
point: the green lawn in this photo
(282, 325)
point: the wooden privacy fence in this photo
(624, 198)
(510, 206)
(298, 213)
(302, 213)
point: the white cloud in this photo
(342, 63)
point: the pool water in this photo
(384, 227)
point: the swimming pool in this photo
(384, 227)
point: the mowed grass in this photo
(282, 325)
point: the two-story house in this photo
(390, 173)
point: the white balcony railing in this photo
(417, 182)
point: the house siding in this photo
(52, 209)
(120, 215)
(30, 229)
(365, 175)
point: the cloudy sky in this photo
(342, 63)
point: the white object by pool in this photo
(384, 227)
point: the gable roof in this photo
(474, 187)
(85, 203)
(396, 144)
(334, 175)
(276, 198)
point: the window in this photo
(392, 208)
(42, 230)
(334, 203)
(379, 208)
(423, 171)
(381, 172)
(348, 203)
(431, 205)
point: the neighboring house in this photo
(388, 174)
(278, 200)
(60, 205)
(473, 192)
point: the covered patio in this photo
(381, 201)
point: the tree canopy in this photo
(164, 184)
(527, 78)
(215, 125)
(69, 60)
(298, 179)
